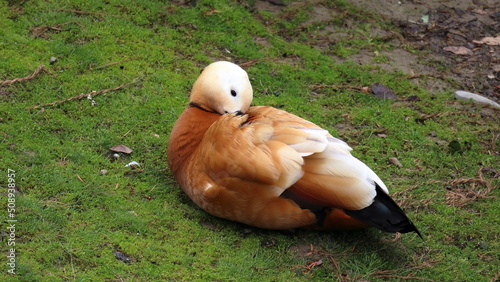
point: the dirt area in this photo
(446, 33)
(438, 26)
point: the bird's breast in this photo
(186, 135)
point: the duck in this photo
(269, 168)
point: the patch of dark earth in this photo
(437, 29)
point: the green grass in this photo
(71, 219)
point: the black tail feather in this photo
(384, 214)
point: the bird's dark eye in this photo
(233, 93)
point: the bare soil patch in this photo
(440, 31)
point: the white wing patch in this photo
(316, 142)
(328, 155)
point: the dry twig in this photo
(464, 196)
(497, 275)
(79, 178)
(339, 275)
(83, 95)
(311, 265)
(35, 73)
(458, 197)
(248, 63)
(39, 30)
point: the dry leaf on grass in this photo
(488, 41)
(395, 162)
(211, 12)
(458, 50)
(121, 149)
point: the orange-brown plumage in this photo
(268, 168)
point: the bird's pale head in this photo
(223, 87)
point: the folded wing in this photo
(341, 189)
(332, 176)
(275, 170)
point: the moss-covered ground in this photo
(74, 221)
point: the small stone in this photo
(116, 156)
(382, 91)
(52, 60)
(122, 257)
(103, 172)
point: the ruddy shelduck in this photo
(268, 168)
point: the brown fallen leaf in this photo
(488, 41)
(395, 162)
(458, 50)
(121, 149)
(479, 11)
